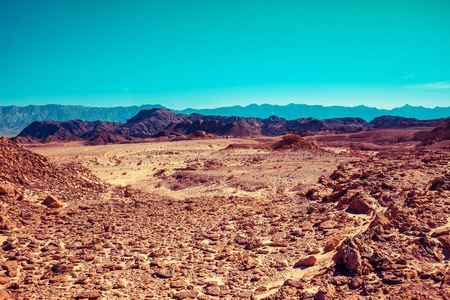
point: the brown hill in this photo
(21, 166)
(188, 127)
(148, 122)
(440, 133)
(105, 138)
(345, 125)
(385, 122)
(66, 131)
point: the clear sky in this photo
(204, 54)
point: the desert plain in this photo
(225, 218)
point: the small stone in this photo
(331, 244)
(326, 225)
(212, 290)
(90, 295)
(306, 262)
(442, 231)
(184, 295)
(52, 202)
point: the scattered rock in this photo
(306, 262)
(52, 202)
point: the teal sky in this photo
(204, 54)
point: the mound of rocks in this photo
(294, 142)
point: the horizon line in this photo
(218, 107)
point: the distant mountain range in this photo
(13, 119)
(159, 122)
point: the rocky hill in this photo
(385, 122)
(162, 122)
(68, 129)
(441, 133)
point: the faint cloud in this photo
(406, 77)
(434, 85)
(410, 75)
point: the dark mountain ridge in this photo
(159, 122)
(13, 118)
(162, 122)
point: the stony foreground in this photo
(376, 228)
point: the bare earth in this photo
(163, 168)
(197, 219)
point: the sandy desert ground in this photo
(201, 219)
(183, 169)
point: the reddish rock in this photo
(4, 295)
(253, 244)
(362, 204)
(249, 263)
(212, 290)
(327, 292)
(11, 267)
(90, 295)
(52, 202)
(349, 253)
(7, 223)
(380, 219)
(7, 188)
(306, 262)
(442, 231)
(331, 244)
(184, 295)
(165, 273)
(307, 226)
(326, 225)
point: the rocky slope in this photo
(440, 133)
